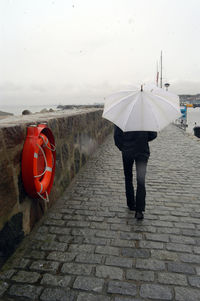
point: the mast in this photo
(161, 70)
(157, 75)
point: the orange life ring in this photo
(38, 161)
(43, 179)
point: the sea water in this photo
(18, 109)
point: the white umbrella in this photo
(147, 109)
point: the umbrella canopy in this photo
(147, 109)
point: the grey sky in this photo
(62, 51)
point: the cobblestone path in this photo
(90, 247)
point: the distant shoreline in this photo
(17, 110)
(66, 107)
(4, 114)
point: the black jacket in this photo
(135, 141)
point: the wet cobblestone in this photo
(90, 247)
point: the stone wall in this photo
(77, 134)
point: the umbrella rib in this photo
(116, 103)
(150, 109)
(165, 100)
(154, 115)
(133, 104)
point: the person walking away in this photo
(135, 148)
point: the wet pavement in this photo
(89, 246)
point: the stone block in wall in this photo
(77, 160)
(8, 194)
(59, 167)
(37, 210)
(65, 127)
(65, 152)
(21, 189)
(72, 171)
(13, 136)
(83, 158)
(10, 236)
(3, 156)
(66, 179)
(53, 125)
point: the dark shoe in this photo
(139, 215)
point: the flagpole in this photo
(157, 75)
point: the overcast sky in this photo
(65, 51)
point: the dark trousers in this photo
(141, 165)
